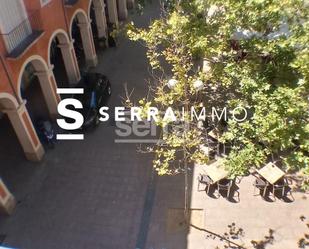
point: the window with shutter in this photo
(14, 22)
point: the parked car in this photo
(97, 90)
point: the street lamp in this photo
(172, 83)
(198, 85)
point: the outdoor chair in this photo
(225, 184)
(238, 179)
(204, 180)
(213, 142)
(261, 185)
(281, 186)
(212, 153)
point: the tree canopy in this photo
(252, 53)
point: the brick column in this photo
(25, 132)
(100, 17)
(88, 44)
(70, 62)
(7, 200)
(49, 89)
(122, 8)
(112, 12)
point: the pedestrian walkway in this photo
(91, 193)
(248, 218)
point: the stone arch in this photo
(22, 125)
(61, 35)
(81, 19)
(68, 57)
(8, 102)
(96, 14)
(46, 80)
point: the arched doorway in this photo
(15, 122)
(63, 60)
(81, 33)
(38, 87)
(78, 45)
(56, 59)
(31, 91)
(17, 136)
(98, 23)
(10, 148)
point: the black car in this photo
(97, 90)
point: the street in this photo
(84, 194)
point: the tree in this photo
(255, 54)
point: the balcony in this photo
(70, 3)
(23, 36)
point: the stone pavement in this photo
(85, 194)
(91, 194)
(252, 214)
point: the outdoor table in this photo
(271, 173)
(216, 171)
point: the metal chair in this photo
(205, 180)
(225, 184)
(281, 185)
(261, 185)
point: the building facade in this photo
(44, 44)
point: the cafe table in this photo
(271, 173)
(216, 171)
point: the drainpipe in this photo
(10, 79)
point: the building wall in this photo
(53, 18)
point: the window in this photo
(44, 2)
(14, 23)
(12, 13)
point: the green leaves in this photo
(255, 62)
(240, 160)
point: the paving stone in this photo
(87, 194)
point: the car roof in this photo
(88, 81)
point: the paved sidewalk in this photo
(252, 214)
(84, 194)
